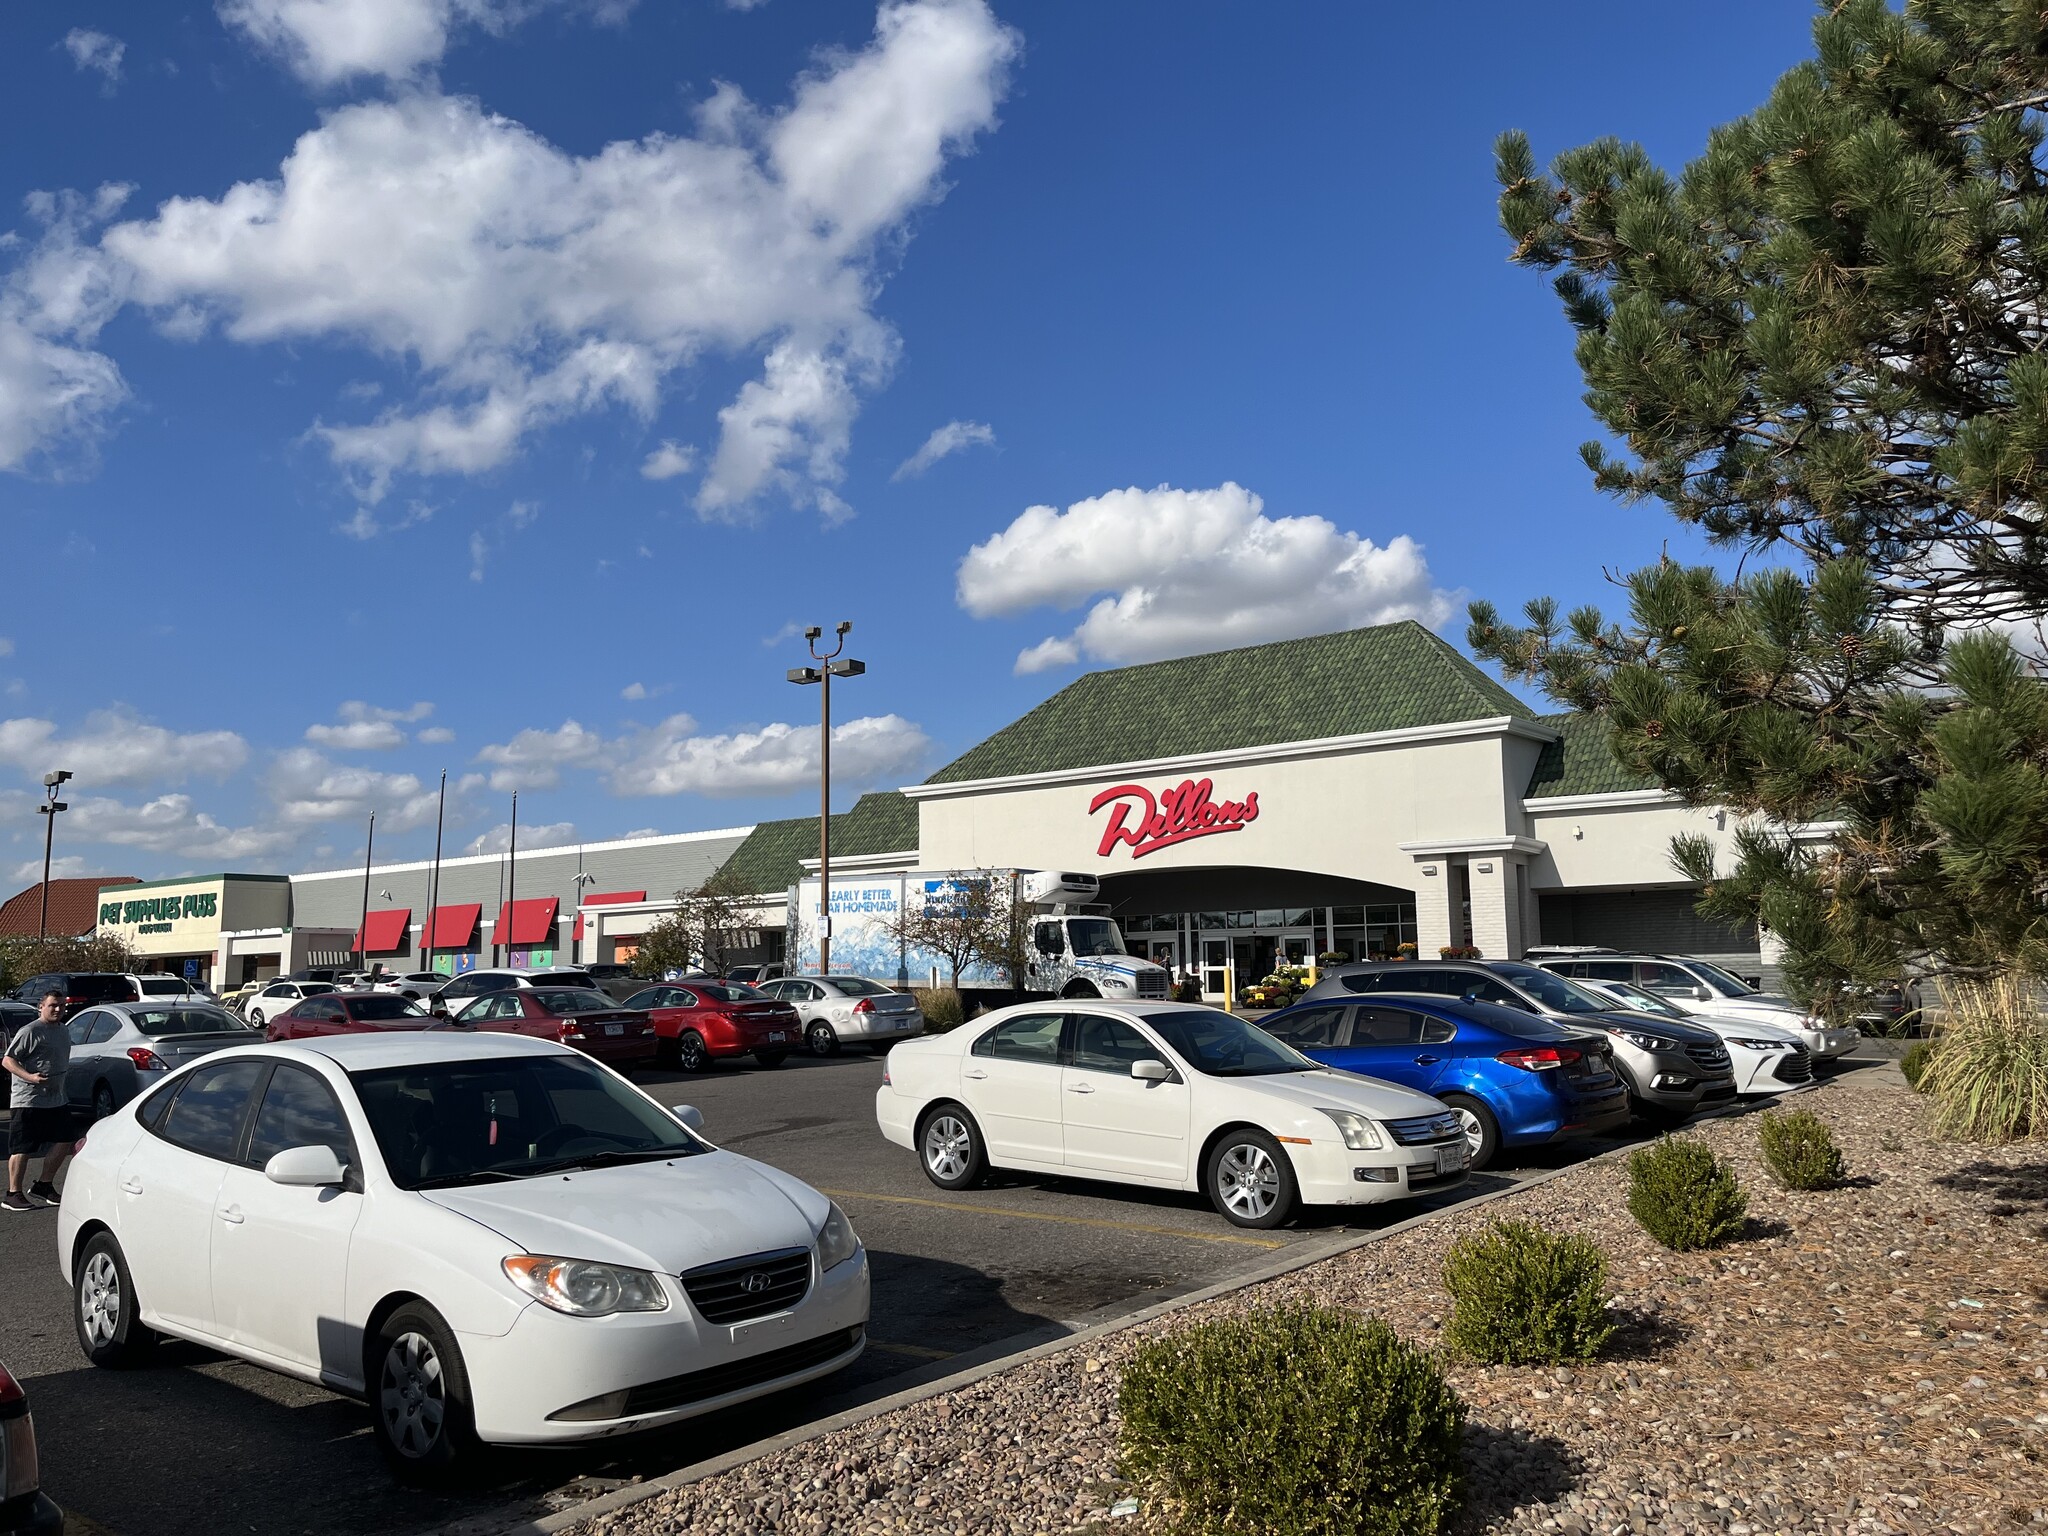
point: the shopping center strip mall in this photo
(1349, 792)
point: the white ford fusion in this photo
(487, 1237)
(1163, 1094)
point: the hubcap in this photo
(1475, 1133)
(947, 1147)
(1248, 1180)
(99, 1299)
(821, 1040)
(410, 1395)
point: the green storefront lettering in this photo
(159, 912)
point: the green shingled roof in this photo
(1579, 761)
(770, 858)
(1386, 678)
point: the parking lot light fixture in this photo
(830, 665)
(48, 810)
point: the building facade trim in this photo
(1439, 848)
(1614, 799)
(666, 839)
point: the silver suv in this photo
(1700, 986)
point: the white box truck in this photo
(1072, 946)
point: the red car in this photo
(590, 1021)
(699, 1021)
(346, 1013)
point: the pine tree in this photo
(1822, 344)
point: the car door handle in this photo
(975, 1075)
(131, 1186)
(232, 1215)
(1080, 1087)
(1427, 1061)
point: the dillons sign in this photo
(1149, 822)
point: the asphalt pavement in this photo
(201, 1443)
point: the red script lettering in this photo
(1149, 822)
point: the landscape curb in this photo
(1297, 1258)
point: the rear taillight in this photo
(145, 1059)
(10, 1389)
(885, 1071)
(1538, 1058)
(865, 1005)
(75, 1001)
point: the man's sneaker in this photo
(43, 1190)
(14, 1202)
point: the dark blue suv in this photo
(1513, 1079)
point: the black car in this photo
(81, 989)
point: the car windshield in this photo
(854, 986)
(562, 1001)
(384, 1008)
(158, 1022)
(314, 988)
(165, 986)
(1629, 995)
(562, 979)
(463, 1122)
(732, 992)
(1094, 936)
(1553, 992)
(1721, 981)
(1218, 1044)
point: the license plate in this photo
(615, 1029)
(1450, 1159)
(776, 1037)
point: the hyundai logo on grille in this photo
(757, 1282)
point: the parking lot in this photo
(200, 1443)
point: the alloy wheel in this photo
(411, 1395)
(103, 1102)
(99, 1299)
(1475, 1133)
(1249, 1182)
(690, 1053)
(948, 1146)
(821, 1039)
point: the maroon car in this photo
(590, 1021)
(346, 1013)
(699, 1021)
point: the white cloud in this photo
(668, 461)
(534, 759)
(325, 42)
(640, 832)
(436, 736)
(56, 392)
(526, 284)
(633, 693)
(365, 728)
(95, 50)
(6, 646)
(1190, 571)
(70, 867)
(672, 760)
(117, 747)
(171, 824)
(949, 439)
(364, 524)
(307, 788)
(545, 834)
(479, 551)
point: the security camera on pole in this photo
(830, 665)
(51, 806)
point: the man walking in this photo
(35, 1062)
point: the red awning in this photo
(605, 899)
(526, 922)
(452, 927)
(383, 932)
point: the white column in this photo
(1435, 921)
(1496, 907)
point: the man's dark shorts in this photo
(35, 1129)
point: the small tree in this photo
(973, 918)
(709, 926)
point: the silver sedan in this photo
(120, 1049)
(837, 1009)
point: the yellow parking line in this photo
(917, 1350)
(1072, 1221)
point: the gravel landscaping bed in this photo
(1868, 1359)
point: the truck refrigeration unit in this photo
(1072, 947)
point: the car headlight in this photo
(1360, 1134)
(836, 1242)
(583, 1287)
(1764, 1045)
(1643, 1042)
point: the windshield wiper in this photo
(474, 1176)
(614, 1159)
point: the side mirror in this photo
(1150, 1071)
(1702, 995)
(307, 1167)
(691, 1116)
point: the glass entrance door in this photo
(1215, 963)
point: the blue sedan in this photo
(1513, 1079)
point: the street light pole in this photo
(830, 665)
(363, 932)
(48, 811)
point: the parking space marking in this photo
(1072, 1221)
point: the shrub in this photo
(1800, 1149)
(1523, 1296)
(1332, 957)
(1988, 1072)
(942, 1008)
(1298, 1421)
(1457, 951)
(1684, 1196)
(1914, 1063)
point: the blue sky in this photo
(391, 386)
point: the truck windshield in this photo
(1094, 936)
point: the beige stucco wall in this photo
(1602, 847)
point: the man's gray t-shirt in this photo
(44, 1048)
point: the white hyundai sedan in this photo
(1163, 1094)
(487, 1237)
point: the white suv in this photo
(280, 995)
(456, 992)
(1699, 986)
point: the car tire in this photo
(691, 1054)
(104, 1308)
(771, 1058)
(1250, 1181)
(1482, 1130)
(821, 1040)
(103, 1101)
(419, 1396)
(949, 1147)
(1082, 989)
